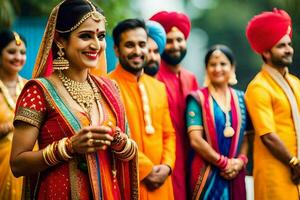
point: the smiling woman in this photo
(217, 123)
(77, 118)
(12, 60)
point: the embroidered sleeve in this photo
(193, 115)
(31, 105)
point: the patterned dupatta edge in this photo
(206, 102)
(128, 187)
(127, 171)
(71, 121)
(209, 123)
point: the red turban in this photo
(170, 19)
(266, 29)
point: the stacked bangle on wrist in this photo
(222, 162)
(244, 159)
(293, 162)
(128, 152)
(57, 152)
(120, 139)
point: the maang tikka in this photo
(60, 63)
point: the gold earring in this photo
(60, 63)
(232, 79)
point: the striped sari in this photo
(205, 181)
(69, 180)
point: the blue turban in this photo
(157, 33)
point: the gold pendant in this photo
(228, 131)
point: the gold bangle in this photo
(125, 149)
(52, 153)
(130, 152)
(51, 156)
(45, 156)
(62, 150)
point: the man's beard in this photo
(129, 68)
(151, 68)
(280, 62)
(173, 60)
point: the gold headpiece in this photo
(217, 52)
(96, 16)
(42, 68)
(17, 39)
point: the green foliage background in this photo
(226, 22)
(114, 10)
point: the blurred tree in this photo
(7, 14)
(226, 21)
(114, 10)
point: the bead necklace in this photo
(228, 130)
(146, 108)
(83, 93)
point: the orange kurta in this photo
(270, 111)
(157, 148)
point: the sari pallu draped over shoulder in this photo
(204, 177)
(127, 176)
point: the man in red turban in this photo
(273, 102)
(179, 83)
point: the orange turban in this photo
(266, 29)
(173, 19)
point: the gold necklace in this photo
(83, 93)
(228, 130)
(7, 96)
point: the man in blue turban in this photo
(156, 45)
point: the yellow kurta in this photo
(10, 187)
(270, 111)
(157, 148)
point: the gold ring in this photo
(102, 141)
(90, 142)
(89, 135)
(97, 141)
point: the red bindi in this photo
(97, 30)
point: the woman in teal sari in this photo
(216, 122)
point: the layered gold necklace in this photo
(83, 93)
(225, 107)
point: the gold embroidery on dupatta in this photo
(46, 44)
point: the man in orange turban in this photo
(273, 102)
(179, 83)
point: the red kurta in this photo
(178, 87)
